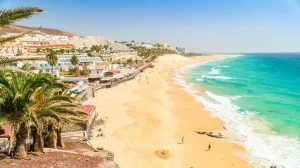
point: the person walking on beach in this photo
(182, 140)
(209, 147)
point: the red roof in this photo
(86, 109)
(6, 129)
(114, 71)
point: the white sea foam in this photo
(264, 148)
(237, 97)
(200, 80)
(215, 71)
(216, 77)
(223, 66)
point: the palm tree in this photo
(75, 71)
(52, 59)
(73, 50)
(55, 107)
(68, 51)
(84, 48)
(84, 72)
(129, 61)
(8, 17)
(75, 60)
(16, 98)
(62, 51)
(106, 47)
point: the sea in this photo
(258, 98)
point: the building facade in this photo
(181, 50)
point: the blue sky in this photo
(211, 26)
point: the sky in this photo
(206, 26)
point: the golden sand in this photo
(149, 116)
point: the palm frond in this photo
(10, 16)
(8, 39)
(8, 60)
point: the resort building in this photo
(26, 43)
(64, 62)
(37, 37)
(12, 49)
(55, 47)
(181, 50)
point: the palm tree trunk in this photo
(52, 69)
(38, 145)
(60, 141)
(52, 140)
(21, 136)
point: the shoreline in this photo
(147, 117)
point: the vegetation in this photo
(97, 48)
(192, 54)
(52, 59)
(74, 71)
(28, 99)
(74, 60)
(32, 104)
(84, 72)
(152, 53)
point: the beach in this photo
(151, 122)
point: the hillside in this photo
(44, 31)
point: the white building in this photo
(181, 50)
(64, 62)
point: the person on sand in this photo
(182, 140)
(209, 147)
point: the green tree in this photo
(74, 60)
(62, 51)
(72, 50)
(16, 98)
(84, 72)
(54, 107)
(74, 71)
(129, 61)
(52, 59)
(106, 47)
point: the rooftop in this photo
(87, 109)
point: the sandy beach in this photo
(147, 118)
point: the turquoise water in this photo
(258, 96)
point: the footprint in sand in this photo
(163, 154)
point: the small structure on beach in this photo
(81, 129)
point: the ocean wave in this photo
(223, 66)
(264, 147)
(216, 77)
(215, 71)
(199, 80)
(237, 97)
